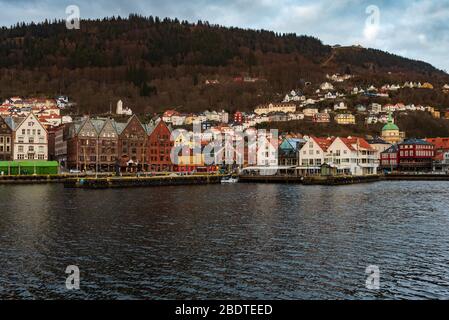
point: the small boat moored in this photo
(229, 179)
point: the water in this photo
(243, 241)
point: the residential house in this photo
(312, 155)
(326, 86)
(345, 119)
(310, 112)
(353, 155)
(322, 117)
(340, 106)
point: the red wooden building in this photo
(389, 159)
(159, 148)
(416, 155)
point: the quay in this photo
(33, 179)
(311, 180)
(132, 182)
(416, 177)
(127, 181)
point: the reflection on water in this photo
(222, 242)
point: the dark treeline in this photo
(154, 63)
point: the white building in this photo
(340, 106)
(326, 86)
(275, 107)
(353, 156)
(123, 111)
(312, 154)
(310, 112)
(30, 140)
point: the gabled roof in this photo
(9, 122)
(354, 143)
(393, 149)
(415, 142)
(291, 143)
(323, 143)
(129, 121)
(439, 143)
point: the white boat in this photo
(229, 180)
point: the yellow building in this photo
(345, 119)
(427, 86)
(275, 107)
(391, 132)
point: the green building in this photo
(14, 168)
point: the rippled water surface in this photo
(244, 241)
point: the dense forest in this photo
(154, 64)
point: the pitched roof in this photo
(415, 141)
(393, 149)
(439, 143)
(324, 143)
(354, 143)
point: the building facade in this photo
(159, 148)
(6, 138)
(132, 144)
(416, 155)
(30, 140)
(389, 159)
(391, 132)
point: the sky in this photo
(417, 29)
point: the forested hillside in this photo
(154, 64)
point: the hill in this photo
(154, 64)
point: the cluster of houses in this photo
(105, 144)
(48, 111)
(359, 156)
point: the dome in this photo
(390, 126)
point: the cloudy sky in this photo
(417, 29)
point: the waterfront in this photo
(242, 241)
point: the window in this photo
(20, 148)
